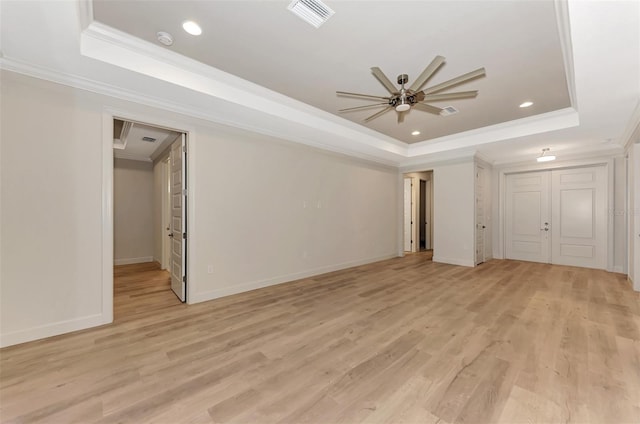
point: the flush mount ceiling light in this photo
(416, 132)
(191, 28)
(314, 12)
(165, 38)
(544, 157)
(526, 104)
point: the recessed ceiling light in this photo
(416, 132)
(192, 27)
(526, 104)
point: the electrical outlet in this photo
(210, 269)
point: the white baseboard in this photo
(53, 329)
(619, 269)
(453, 261)
(253, 285)
(129, 261)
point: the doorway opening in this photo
(418, 212)
(149, 224)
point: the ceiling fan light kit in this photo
(404, 99)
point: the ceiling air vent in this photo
(149, 139)
(449, 110)
(313, 11)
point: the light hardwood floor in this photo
(400, 341)
(141, 290)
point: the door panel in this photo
(479, 191)
(527, 216)
(579, 216)
(178, 216)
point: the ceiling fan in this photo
(415, 97)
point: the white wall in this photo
(272, 211)
(160, 185)
(133, 211)
(51, 245)
(266, 211)
(454, 213)
(634, 215)
(619, 215)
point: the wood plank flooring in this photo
(399, 341)
(141, 290)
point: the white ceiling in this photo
(517, 42)
(60, 41)
(131, 145)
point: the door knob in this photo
(171, 235)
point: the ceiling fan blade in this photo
(380, 76)
(345, 93)
(450, 96)
(363, 107)
(401, 117)
(428, 108)
(375, 115)
(428, 72)
(455, 81)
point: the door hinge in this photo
(184, 149)
(184, 192)
(184, 236)
(184, 278)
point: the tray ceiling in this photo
(261, 41)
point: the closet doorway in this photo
(418, 211)
(149, 218)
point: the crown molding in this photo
(551, 121)
(370, 154)
(564, 33)
(106, 44)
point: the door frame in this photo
(422, 213)
(108, 115)
(499, 251)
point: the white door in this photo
(427, 205)
(178, 217)
(407, 214)
(579, 216)
(479, 189)
(527, 220)
(166, 214)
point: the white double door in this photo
(558, 216)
